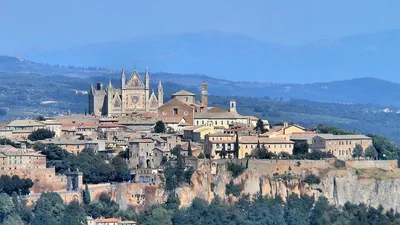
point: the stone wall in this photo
(365, 164)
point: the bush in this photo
(235, 169)
(339, 164)
(201, 156)
(312, 179)
(41, 134)
(233, 189)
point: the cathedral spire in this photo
(109, 86)
(160, 94)
(147, 78)
(123, 78)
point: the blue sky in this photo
(36, 25)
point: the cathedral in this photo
(133, 97)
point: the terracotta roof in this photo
(108, 220)
(142, 140)
(183, 93)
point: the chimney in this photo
(232, 105)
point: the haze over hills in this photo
(240, 58)
(358, 90)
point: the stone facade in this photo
(133, 96)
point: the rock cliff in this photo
(372, 186)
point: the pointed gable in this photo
(135, 81)
(117, 103)
(153, 100)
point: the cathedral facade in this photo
(133, 97)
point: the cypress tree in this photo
(190, 153)
(236, 146)
(86, 195)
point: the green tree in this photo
(74, 215)
(49, 209)
(358, 151)
(86, 195)
(95, 209)
(121, 166)
(173, 202)
(156, 215)
(236, 146)
(259, 126)
(6, 206)
(320, 212)
(41, 134)
(13, 219)
(129, 214)
(297, 210)
(159, 127)
(371, 152)
(189, 149)
(300, 147)
(201, 156)
(312, 179)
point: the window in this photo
(197, 122)
(187, 98)
(175, 111)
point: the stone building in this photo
(341, 146)
(133, 96)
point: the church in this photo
(133, 97)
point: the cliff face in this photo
(338, 186)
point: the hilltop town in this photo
(138, 150)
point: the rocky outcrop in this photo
(338, 185)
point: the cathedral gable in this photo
(153, 101)
(117, 102)
(135, 81)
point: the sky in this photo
(29, 26)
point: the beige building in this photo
(108, 221)
(249, 143)
(20, 159)
(224, 118)
(21, 129)
(214, 143)
(133, 96)
(197, 133)
(341, 146)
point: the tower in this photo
(147, 90)
(123, 83)
(233, 106)
(204, 96)
(160, 93)
(109, 94)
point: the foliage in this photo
(235, 169)
(297, 209)
(233, 189)
(86, 195)
(386, 148)
(121, 168)
(176, 151)
(159, 127)
(13, 184)
(259, 126)
(156, 215)
(105, 207)
(300, 147)
(124, 154)
(236, 146)
(201, 156)
(312, 179)
(173, 202)
(49, 209)
(41, 134)
(74, 215)
(332, 130)
(358, 151)
(339, 164)
(371, 152)
(189, 149)
(261, 152)
(128, 214)
(177, 174)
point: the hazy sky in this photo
(33, 25)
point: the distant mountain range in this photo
(240, 58)
(358, 90)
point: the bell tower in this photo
(204, 96)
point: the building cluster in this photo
(123, 119)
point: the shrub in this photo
(339, 164)
(235, 169)
(41, 134)
(312, 179)
(233, 189)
